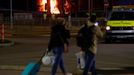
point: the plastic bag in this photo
(80, 60)
(48, 59)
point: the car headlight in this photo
(107, 27)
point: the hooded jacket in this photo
(97, 33)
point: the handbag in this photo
(48, 59)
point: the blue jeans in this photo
(58, 51)
(89, 63)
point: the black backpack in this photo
(84, 38)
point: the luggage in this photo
(33, 67)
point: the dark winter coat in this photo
(59, 36)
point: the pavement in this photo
(16, 69)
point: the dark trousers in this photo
(58, 51)
(89, 63)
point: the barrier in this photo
(3, 41)
(2, 34)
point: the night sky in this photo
(26, 5)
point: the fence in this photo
(41, 21)
(38, 18)
(25, 23)
(36, 25)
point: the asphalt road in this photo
(115, 58)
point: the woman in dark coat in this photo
(58, 44)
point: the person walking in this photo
(58, 44)
(88, 36)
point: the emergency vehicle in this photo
(120, 23)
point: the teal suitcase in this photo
(33, 67)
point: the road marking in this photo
(3, 67)
(18, 67)
(111, 68)
(44, 68)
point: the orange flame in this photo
(42, 5)
(54, 7)
(67, 7)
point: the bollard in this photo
(2, 34)
(3, 41)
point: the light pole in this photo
(11, 15)
(106, 4)
(90, 6)
(27, 5)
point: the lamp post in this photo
(27, 6)
(90, 6)
(11, 15)
(106, 5)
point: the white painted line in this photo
(11, 67)
(17, 67)
(111, 68)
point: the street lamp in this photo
(11, 15)
(106, 4)
(90, 6)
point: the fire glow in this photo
(54, 7)
(43, 6)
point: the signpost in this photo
(106, 5)
(90, 6)
(11, 15)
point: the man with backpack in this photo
(87, 40)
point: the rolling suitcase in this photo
(33, 67)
